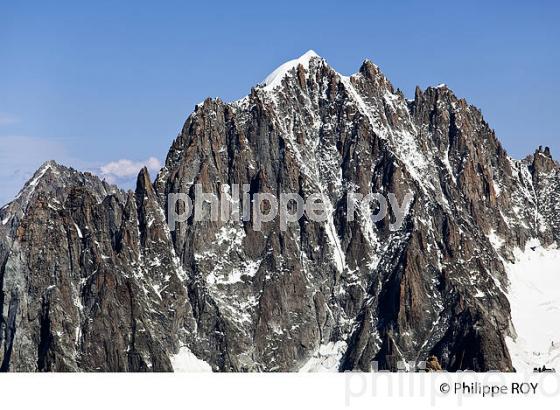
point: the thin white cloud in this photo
(7, 119)
(124, 169)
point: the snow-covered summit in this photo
(274, 78)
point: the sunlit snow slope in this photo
(534, 295)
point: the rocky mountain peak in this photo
(84, 265)
(50, 186)
(144, 183)
(545, 151)
(543, 161)
(373, 73)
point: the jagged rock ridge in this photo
(92, 278)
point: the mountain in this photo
(92, 278)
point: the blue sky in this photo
(92, 83)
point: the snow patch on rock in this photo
(496, 241)
(78, 231)
(326, 359)
(186, 362)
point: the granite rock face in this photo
(89, 278)
(93, 279)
